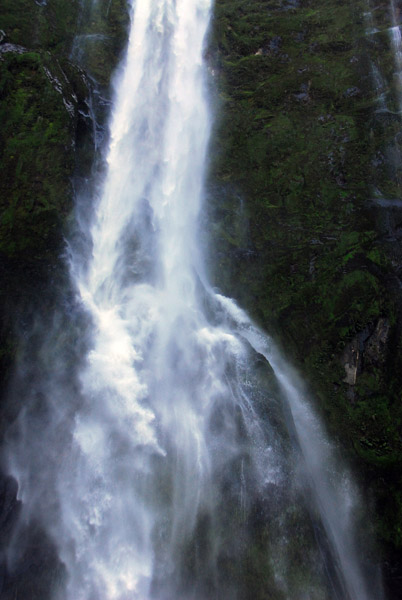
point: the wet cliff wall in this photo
(56, 64)
(56, 60)
(306, 233)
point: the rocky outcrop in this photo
(377, 346)
(367, 351)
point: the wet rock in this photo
(376, 347)
(275, 44)
(290, 5)
(352, 361)
(352, 92)
(9, 505)
(367, 351)
(271, 48)
(378, 160)
(15, 48)
(340, 180)
(303, 95)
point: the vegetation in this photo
(300, 235)
(50, 63)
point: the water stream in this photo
(185, 460)
(396, 41)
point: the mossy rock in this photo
(49, 25)
(37, 141)
(101, 35)
(301, 160)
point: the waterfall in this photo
(396, 41)
(181, 458)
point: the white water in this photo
(151, 478)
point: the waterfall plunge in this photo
(182, 468)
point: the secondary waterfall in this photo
(185, 462)
(396, 40)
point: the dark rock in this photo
(368, 350)
(352, 361)
(306, 163)
(275, 44)
(12, 48)
(352, 92)
(377, 346)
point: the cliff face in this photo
(56, 60)
(304, 210)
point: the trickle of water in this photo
(188, 464)
(396, 40)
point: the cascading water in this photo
(181, 465)
(396, 40)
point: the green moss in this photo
(292, 158)
(45, 135)
(100, 37)
(49, 26)
(36, 145)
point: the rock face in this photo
(39, 113)
(304, 200)
(367, 351)
(52, 88)
(54, 92)
(351, 360)
(378, 345)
